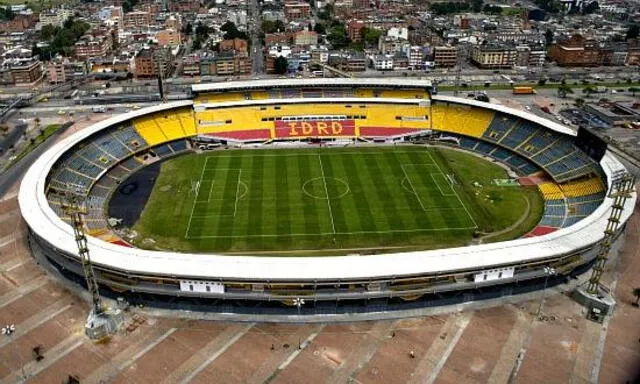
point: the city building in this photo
(136, 19)
(529, 57)
(356, 62)
(21, 72)
(296, 10)
(225, 63)
(55, 17)
(191, 66)
(382, 62)
(61, 70)
(238, 45)
(184, 6)
(149, 61)
(491, 56)
(169, 38)
(445, 56)
(400, 62)
(93, 46)
(305, 37)
(576, 51)
(277, 38)
(354, 30)
(320, 55)
(416, 57)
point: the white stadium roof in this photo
(301, 83)
(44, 222)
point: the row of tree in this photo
(60, 40)
(449, 7)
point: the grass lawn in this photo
(330, 201)
(46, 133)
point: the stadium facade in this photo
(91, 163)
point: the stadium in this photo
(358, 195)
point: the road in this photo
(255, 26)
(15, 173)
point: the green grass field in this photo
(331, 201)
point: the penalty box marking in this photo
(196, 201)
(455, 192)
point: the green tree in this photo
(326, 13)
(579, 102)
(187, 29)
(231, 31)
(590, 8)
(589, 90)
(371, 36)
(269, 26)
(633, 90)
(564, 90)
(320, 28)
(203, 31)
(548, 36)
(338, 37)
(633, 31)
(281, 65)
(6, 14)
(492, 9)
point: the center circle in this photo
(323, 188)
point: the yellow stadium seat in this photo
(551, 191)
(149, 130)
(579, 188)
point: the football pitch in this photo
(353, 200)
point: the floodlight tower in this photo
(461, 57)
(101, 321)
(597, 298)
(620, 191)
(75, 210)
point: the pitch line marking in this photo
(235, 205)
(304, 190)
(439, 229)
(315, 154)
(456, 193)
(326, 191)
(195, 200)
(438, 185)
(406, 176)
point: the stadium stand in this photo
(462, 119)
(555, 153)
(518, 163)
(591, 186)
(149, 129)
(551, 191)
(128, 136)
